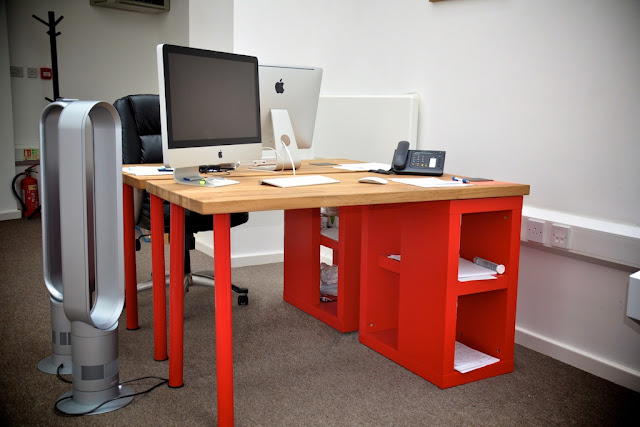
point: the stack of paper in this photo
(468, 270)
(467, 359)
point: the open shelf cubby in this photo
(414, 309)
(302, 240)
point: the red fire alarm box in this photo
(45, 73)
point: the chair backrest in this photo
(141, 141)
(141, 134)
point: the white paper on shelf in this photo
(468, 270)
(429, 182)
(467, 359)
(146, 170)
(363, 167)
(482, 277)
(394, 257)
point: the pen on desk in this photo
(165, 170)
(455, 178)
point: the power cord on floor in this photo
(60, 412)
(59, 375)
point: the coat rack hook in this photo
(54, 51)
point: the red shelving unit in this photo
(414, 310)
(302, 241)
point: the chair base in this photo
(203, 278)
(206, 278)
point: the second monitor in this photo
(288, 106)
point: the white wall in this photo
(542, 92)
(103, 54)
(539, 92)
(277, 31)
(211, 24)
(575, 311)
(8, 204)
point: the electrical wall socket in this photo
(561, 236)
(535, 230)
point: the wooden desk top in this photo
(309, 167)
(250, 196)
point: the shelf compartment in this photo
(389, 264)
(303, 238)
(477, 286)
(387, 337)
(421, 299)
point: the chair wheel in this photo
(243, 300)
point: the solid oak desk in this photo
(250, 196)
(131, 181)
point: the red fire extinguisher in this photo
(30, 200)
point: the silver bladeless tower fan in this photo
(60, 358)
(91, 243)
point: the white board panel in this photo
(365, 127)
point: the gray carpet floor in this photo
(290, 369)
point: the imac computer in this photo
(209, 110)
(288, 105)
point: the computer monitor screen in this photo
(294, 90)
(209, 109)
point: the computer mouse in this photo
(373, 180)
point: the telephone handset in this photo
(417, 162)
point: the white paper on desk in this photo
(467, 359)
(468, 270)
(428, 182)
(298, 181)
(145, 170)
(360, 167)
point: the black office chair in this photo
(142, 143)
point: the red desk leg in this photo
(176, 295)
(130, 280)
(224, 337)
(159, 292)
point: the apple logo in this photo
(220, 154)
(279, 87)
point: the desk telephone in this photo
(417, 162)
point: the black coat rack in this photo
(54, 51)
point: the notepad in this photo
(298, 181)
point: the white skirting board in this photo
(585, 361)
(10, 214)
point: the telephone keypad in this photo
(425, 159)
